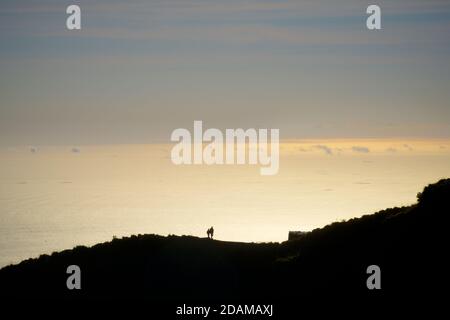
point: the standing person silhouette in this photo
(211, 232)
(208, 233)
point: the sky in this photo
(86, 115)
(139, 69)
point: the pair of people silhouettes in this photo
(210, 233)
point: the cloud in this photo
(75, 150)
(391, 150)
(33, 149)
(407, 146)
(324, 148)
(232, 22)
(360, 149)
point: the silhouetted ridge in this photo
(406, 243)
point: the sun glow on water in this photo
(53, 198)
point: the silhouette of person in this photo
(211, 232)
(208, 232)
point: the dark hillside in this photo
(407, 243)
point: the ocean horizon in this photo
(57, 197)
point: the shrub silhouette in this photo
(435, 195)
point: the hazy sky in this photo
(139, 69)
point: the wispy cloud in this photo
(325, 149)
(408, 147)
(360, 149)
